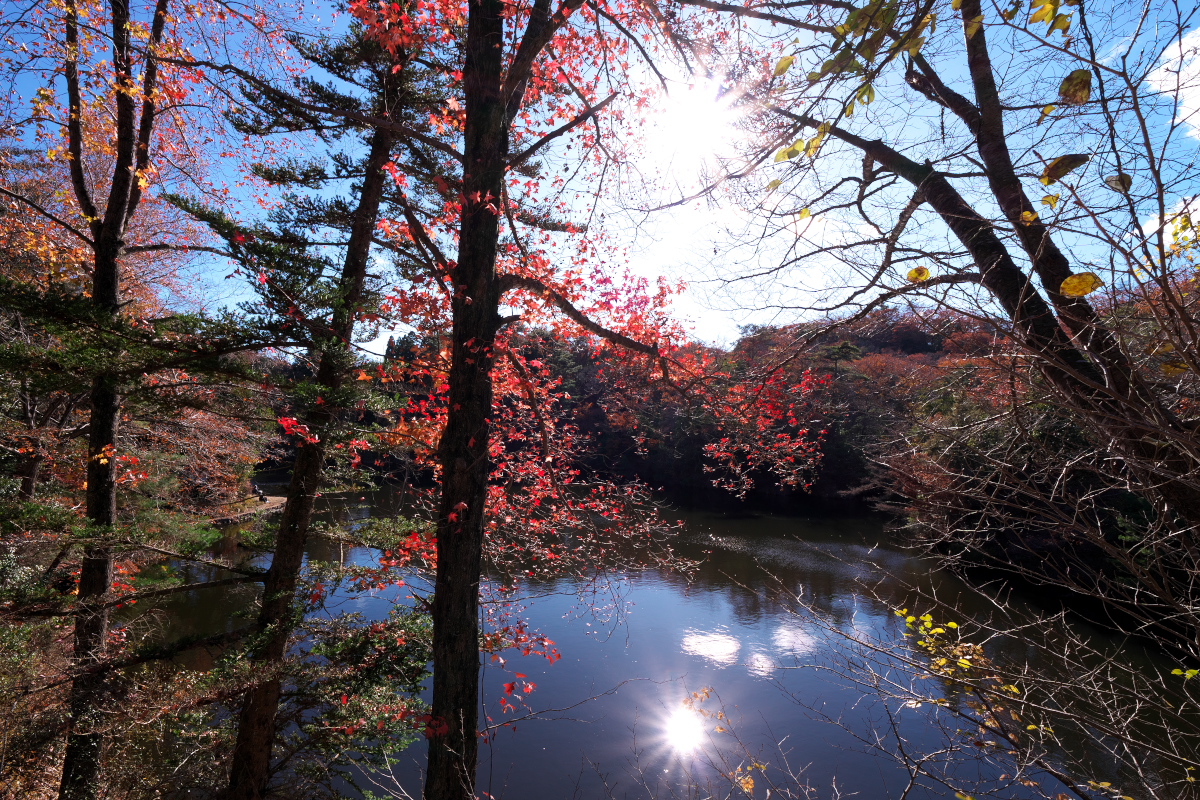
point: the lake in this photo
(763, 633)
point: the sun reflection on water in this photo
(684, 730)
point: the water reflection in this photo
(761, 665)
(717, 647)
(793, 639)
(732, 627)
(684, 731)
(721, 648)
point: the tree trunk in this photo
(251, 759)
(250, 769)
(463, 450)
(81, 766)
(28, 471)
(1156, 445)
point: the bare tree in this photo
(1034, 169)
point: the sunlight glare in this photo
(694, 125)
(684, 731)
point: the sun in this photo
(693, 126)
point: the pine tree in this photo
(367, 114)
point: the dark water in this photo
(610, 715)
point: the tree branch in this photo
(75, 121)
(155, 654)
(629, 37)
(538, 33)
(251, 573)
(149, 110)
(999, 274)
(62, 223)
(742, 11)
(510, 282)
(131, 598)
(357, 116)
(181, 248)
(566, 127)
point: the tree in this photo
(1009, 166)
(502, 88)
(103, 230)
(988, 248)
(371, 117)
(546, 71)
(109, 108)
(1113, 109)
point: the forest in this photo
(332, 355)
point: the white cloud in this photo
(1178, 74)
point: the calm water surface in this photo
(611, 716)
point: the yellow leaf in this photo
(784, 65)
(789, 152)
(804, 214)
(918, 274)
(1029, 217)
(814, 144)
(1174, 368)
(1062, 22)
(1046, 111)
(1061, 166)
(973, 25)
(1046, 9)
(1051, 200)
(956, 4)
(1076, 88)
(1081, 284)
(773, 185)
